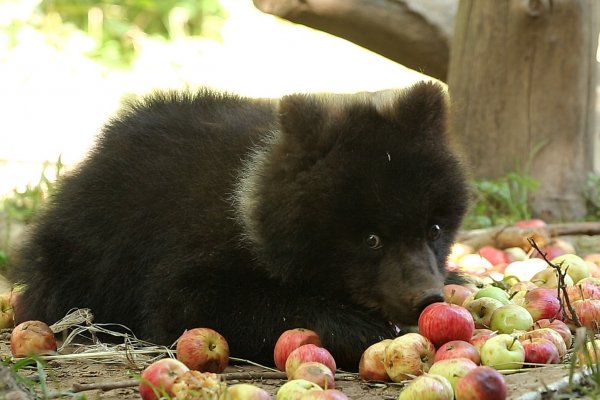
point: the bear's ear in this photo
(422, 106)
(301, 115)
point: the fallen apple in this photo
(503, 352)
(493, 292)
(158, 378)
(456, 294)
(329, 394)
(510, 318)
(590, 354)
(371, 366)
(289, 341)
(548, 278)
(306, 353)
(542, 303)
(457, 349)
(574, 265)
(583, 290)
(548, 334)
(481, 383)
(482, 309)
(540, 351)
(443, 322)
(473, 264)
(452, 369)
(199, 385)
(558, 326)
(408, 355)
(480, 336)
(241, 391)
(203, 349)
(493, 255)
(32, 337)
(588, 312)
(315, 372)
(427, 387)
(295, 389)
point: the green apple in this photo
(510, 318)
(576, 268)
(503, 352)
(482, 309)
(493, 292)
(547, 278)
(452, 368)
(294, 389)
(428, 387)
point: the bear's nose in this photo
(429, 299)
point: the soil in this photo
(64, 376)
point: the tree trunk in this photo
(523, 81)
(415, 33)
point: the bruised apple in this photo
(32, 337)
(315, 372)
(159, 377)
(195, 385)
(372, 362)
(289, 341)
(203, 349)
(408, 355)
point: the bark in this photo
(523, 78)
(415, 33)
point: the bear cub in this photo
(253, 216)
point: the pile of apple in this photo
(463, 342)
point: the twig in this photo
(562, 287)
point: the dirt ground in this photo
(64, 376)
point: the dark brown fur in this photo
(333, 213)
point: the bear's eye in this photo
(435, 231)
(373, 241)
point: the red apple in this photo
(480, 336)
(241, 391)
(443, 322)
(329, 394)
(315, 372)
(557, 325)
(32, 337)
(493, 255)
(203, 349)
(588, 312)
(481, 383)
(457, 349)
(372, 362)
(452, 369)
(159, 377)
(542, 303)
(583, 290)
(289, 341)
(427, 386)
(530, 223)
(456, 294)
(196, 384)
(540, 351)
(548, 334)
(306, 353)
(409, 354)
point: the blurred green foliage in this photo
(117, 24)
(592, 196)
(500, 201)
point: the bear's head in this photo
(357, 196)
